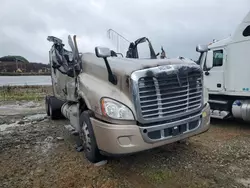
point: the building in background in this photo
(18, 64)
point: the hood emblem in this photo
(166, 67)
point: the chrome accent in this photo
(159, 95)
(241, 109)
(163, 126)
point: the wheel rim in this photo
(86, 137)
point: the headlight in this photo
(205, 94)
(115, 110)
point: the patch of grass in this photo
(169, 178)
(10, 93)
(158, 176)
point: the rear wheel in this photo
(54, 107)
(47, 105)
(90, 148)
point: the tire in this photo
(87, 136)
(54, 106)
(47, 105)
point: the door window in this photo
(143, 51)
(217, 58)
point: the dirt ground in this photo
(38, 152)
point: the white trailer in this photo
(226, 69)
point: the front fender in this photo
(92, 89)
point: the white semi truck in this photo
(226, 69)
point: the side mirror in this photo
(209, 60)
(102, 52)
(201, 48)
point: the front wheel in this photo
(90, 148)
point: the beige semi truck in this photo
(121, 105)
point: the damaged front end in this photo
(168, 100)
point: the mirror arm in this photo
(120, 54)
(152, 52)
(199, 60)
(112, 77)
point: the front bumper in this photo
(119, 139)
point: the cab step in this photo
(219, 114)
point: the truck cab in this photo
(226, 65)
(122, 105)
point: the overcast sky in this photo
(177, 25)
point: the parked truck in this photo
(122, 105)
(226, 68)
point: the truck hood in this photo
(125, 66)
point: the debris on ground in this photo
(101, 163)
(30, 104)
(36, 117)
(69, 128)
(59, 138)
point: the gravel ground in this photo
(38, 152)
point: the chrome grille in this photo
(169, 95)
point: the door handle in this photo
(207, 73)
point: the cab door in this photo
(214, 77)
